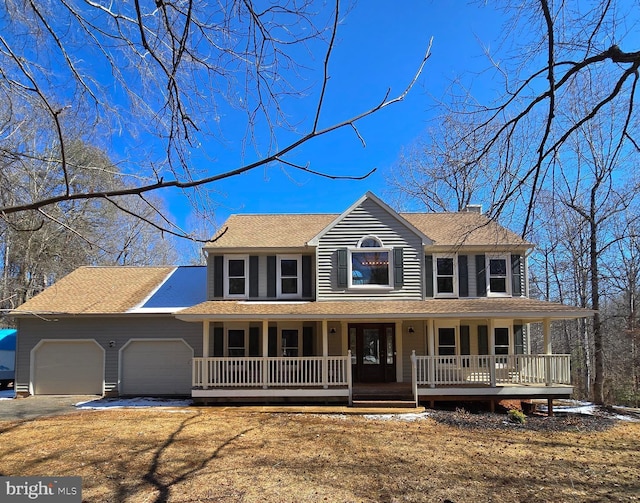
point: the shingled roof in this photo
(97, 290)
(296, 230)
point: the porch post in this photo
(205, 339)
(431, 331)
(492, 353)
(265, 354)
(546, 342)
(398, 351)
(325, 355)
(205, 353)
(344, 333)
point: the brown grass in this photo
(234, 454)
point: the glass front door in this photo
(373, 355)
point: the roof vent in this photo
(473, 208)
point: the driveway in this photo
(39, 406)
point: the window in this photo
(289, 342)
(237, 276)
(289, 276)
(501, 341)
(446, 341)
(370, 267)
(446, 277)
(236, 342)
(498, 275)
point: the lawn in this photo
(235, 454)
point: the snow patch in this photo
(122, 403)
(398, 417)
(590, 409)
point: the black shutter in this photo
(465, 342)
(271, 276)
(306, 276)
(398, 268)
(519, 339)
(428, 275)
(463, 276)
(254, 341)
(342, 267)
(253, 276)
(218, 341)
(516, 275)
(483, 340)
(481, 276)
(307, 341)
(218, 276)
(273, 341)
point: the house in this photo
(421, 306)
(7, 356)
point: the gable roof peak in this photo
(370, 196)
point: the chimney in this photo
(472, 208)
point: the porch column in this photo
(398, 351)
(492, 353)
(205, 353)
(546, 342)
(265, 354)
(344, 333)
(325, 354)
(431, 333)
(205, 339)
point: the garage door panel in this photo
(68, 368)
(156, 368)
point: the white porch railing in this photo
(491, 370)
(272, 371)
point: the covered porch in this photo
(412, 349)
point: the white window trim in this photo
(507, 260)
(227, 258)
(370, 236)
(456, 281)
(436, 336)
(236, 326)
(297, 327)
(279, 293)
(389, 252)
(509, 327)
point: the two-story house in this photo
(430, 306)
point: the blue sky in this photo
(378, 47)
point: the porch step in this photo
(385, 404)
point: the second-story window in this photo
(289, 276)
(445, 275)
(236, 276)
(370, 263)
(498, 275)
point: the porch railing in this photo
(272, 371)
(491, 370)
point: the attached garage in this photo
(67, 367)
(155, 367)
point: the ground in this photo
(187, 454)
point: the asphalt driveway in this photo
(39, 406)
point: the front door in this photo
(373, 356)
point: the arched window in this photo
(370, 263)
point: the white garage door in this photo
(155, 368)
(68, 368)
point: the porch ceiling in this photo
(516, 308)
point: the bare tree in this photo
(186, 73)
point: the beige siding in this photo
(369, 219)
(411, 342)
(112, 333)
